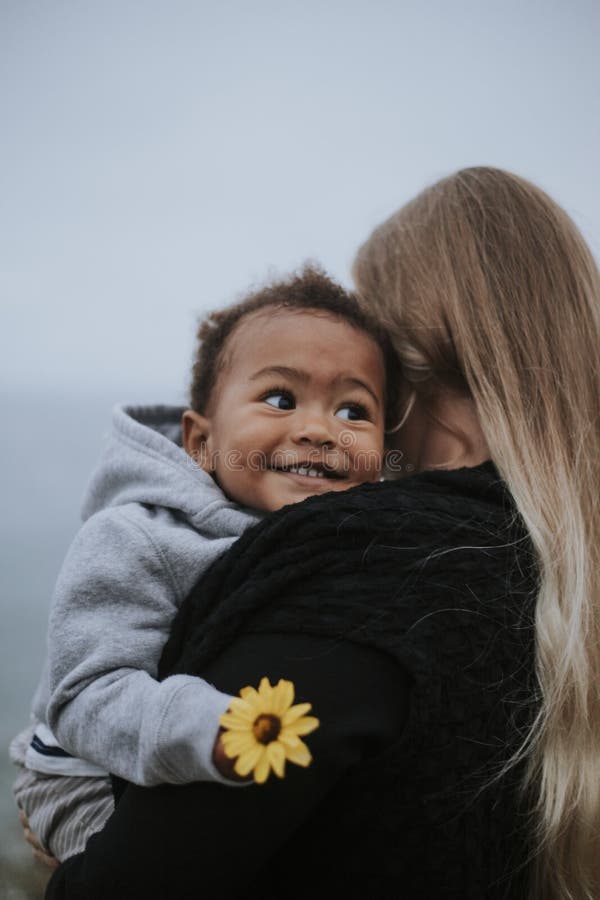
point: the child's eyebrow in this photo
(284, 371)
(301, 375)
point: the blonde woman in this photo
(493, 299)
(445, 626)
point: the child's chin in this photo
(297, 497)
(326, 489)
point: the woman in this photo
(444, 626)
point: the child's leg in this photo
(63, 810)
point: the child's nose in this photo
(314, 428)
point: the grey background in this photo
(158, 158)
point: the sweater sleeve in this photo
(114, 603)
(176, 841)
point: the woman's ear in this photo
(195, 434)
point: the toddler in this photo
(291, 391)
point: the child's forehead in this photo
(273, 331)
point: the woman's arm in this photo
(209, 839)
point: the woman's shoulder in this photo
(349, 555)
(468, 495)
(439, 487)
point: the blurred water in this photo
(50, 443)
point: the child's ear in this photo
(195, 434)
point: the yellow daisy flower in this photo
(263, 729)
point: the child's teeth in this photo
(307, 470)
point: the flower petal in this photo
(288, 738)
(236, 744)
(246, 709)
(276, 756)
(251, 696)
(247, 693)
(304, 725)
(262, 768)
(299, 755)
(265, 688)
(295, 712)
(249, 760)
(283, 697)
(233, 722)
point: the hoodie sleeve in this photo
(113, 606)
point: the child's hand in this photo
(223, 763)
(39, 852)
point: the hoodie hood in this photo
(144, 462)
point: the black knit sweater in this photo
(433, 574)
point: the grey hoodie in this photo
(154, 522)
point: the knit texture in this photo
(436, 570)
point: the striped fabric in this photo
(63, 810)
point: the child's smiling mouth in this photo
(310, 470)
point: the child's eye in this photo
(280, 399)
(353, 411)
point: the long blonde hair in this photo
(487, 286)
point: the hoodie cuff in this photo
(188, 729)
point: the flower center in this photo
(266, 728)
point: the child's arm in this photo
(114, 603)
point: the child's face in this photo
(301, 392)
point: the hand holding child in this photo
(39, 852)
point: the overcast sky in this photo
(158, 157)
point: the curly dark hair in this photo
(310, 289)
